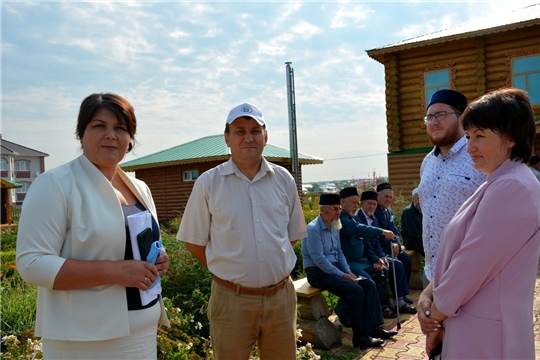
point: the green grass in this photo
(18, 305)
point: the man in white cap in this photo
(447, 174)
(241, 222)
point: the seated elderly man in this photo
(327, 269)
(369, 200)
(385, 217)
(411, 225)
(355, 237)
(359, 253)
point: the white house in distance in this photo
(19, 165)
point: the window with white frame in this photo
(3, 164)
(190, 175)
(24, 188)
(434, 81)
(526, 76)
(22, 165)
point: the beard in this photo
(336, 224)
(418, 206)
(449, 138)
(352, 213)
(369, 213)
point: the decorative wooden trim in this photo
(435, 67)
(392, 103)
(508, 62)
(480, 67)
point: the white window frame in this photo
(17, 167)
(438, 86)
(527, 74)
(190, 175)
(4, 164)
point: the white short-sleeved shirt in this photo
(246, 225)
(445, 183)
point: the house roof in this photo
(9, 184)
(516, 19)
(8, 147)
(208, 148)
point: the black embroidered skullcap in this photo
(449, 97)
(348, 191)
(384, 186)
(369, 195)
(329, 199)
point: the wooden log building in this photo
(6, 188)
(170, 174)
(472, 58)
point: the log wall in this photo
(477, 66)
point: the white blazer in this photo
(72, 211)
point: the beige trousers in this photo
(237, 322)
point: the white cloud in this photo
(346, 15)
(306, 30)
(178, 34)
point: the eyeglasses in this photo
(439, 116)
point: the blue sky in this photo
(183, 65)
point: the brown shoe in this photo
(387, 313)
(407, 309)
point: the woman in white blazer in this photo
(73, 243)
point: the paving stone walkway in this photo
(409, 344)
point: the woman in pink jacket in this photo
(479, 304)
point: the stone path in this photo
(409, 344)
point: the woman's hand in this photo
(136, 273)
(427, 324)
(162, 263)
(432, 340)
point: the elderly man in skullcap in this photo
(327, 269)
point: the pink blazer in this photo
(486, 269)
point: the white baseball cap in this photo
(246, 109)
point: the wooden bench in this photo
(417, 271)
(313, 316)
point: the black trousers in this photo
(361, 299)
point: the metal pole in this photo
(295, 169)
(395, 284)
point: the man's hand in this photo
(350, 276)
(379, 265)
(388, 235)
(396, 248)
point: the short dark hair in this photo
(505, 112)
(121, 108)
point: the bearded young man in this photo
(447, 174)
